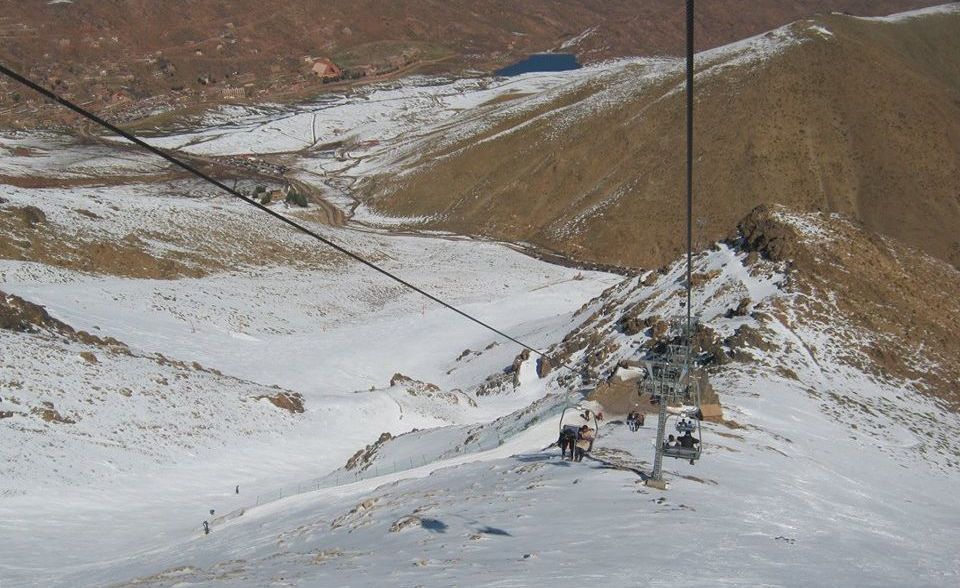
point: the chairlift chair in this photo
(692, 454)
(572, 419)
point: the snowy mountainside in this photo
(792, 296)
(330, 334)
(474, 490)
(82, 409)
(786, 501)
(824, 470)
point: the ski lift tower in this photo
(669, 382)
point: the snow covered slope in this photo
(171, 418)
(823, 470)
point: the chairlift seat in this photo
(690, 453)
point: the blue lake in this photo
(541, 62)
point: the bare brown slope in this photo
(93, 48)
(866, 122)
(902, 303)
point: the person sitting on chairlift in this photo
(670, 443)
(687, 441)
(584, 442)
(567, 441)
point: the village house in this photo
(326, 70)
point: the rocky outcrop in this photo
(50, 414)
(362, 459)
(289, 401)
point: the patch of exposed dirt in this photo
(191, 250)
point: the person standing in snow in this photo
(584, 442)
(206, 528)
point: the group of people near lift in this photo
(635, 420)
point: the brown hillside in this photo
(902, 302)
(115, 53)
(865, 122)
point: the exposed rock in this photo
(88, 357)
(17, 314)
(544, 367)
(746, 337)
(517, 362)
(705, 340)
(404, 522)
(362, 459)
(764, 234)
(289, 401)
(740, 310)
(412, 385)
(50, 414)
